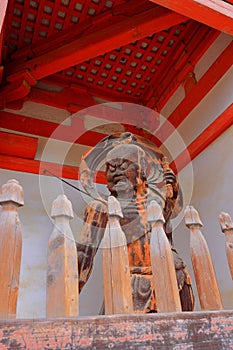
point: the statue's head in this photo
(126, 169)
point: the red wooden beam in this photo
(92, 91)
(198, 92)
(115, 31)
(183, 63)
(69, 99)
(210, 134)
(85, 25)
(18, 145)
(214, 13)
(73, 98)
(77, 133)
(74, 134)
(39, 167)
(19, 86)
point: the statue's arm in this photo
(95, 220)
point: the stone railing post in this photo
(207, 286)
(11, 197)
(62, 264)
(162, 262)
(116, 274)
(227, 228)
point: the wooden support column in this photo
(227, 228)
(163, 269)
(62, 266)
(207, 286)
(11, 197)
(116, 274)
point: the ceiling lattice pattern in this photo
(128, 70)
(135, 68)
(33, 20)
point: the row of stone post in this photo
(62, 262)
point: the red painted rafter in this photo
(214, 13)
(73, 98)
(167, 81)
(184, 61)
(76, 133)
(204, 85)
(198, 92)
(48, 129)
(94, 91)
(38, 167)
(70, 99)
(90, 42)
(74, 31)
(18, 145)
(120, 31)
(210, 134)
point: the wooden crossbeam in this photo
(214, 13)
(115, 31)
(38, 167)
(69, 99)
(18, 145)
(77, 133)
(209, 135)
(90, 138)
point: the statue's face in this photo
(121, 174)
(125, 165)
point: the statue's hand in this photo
(171, 184)
(169, 177)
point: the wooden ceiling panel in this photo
(73, 54)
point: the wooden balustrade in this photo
(204, 272)
(62, 267)
(11, 197)
(227, 228)
(62, 270)
(162, 263)
(116, 274)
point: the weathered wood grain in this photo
(164, 275)
(116, 273)
(11, 197)
(190, 330)
(62, 264)
(207, 286)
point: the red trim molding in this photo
(197, 93)
(216, 14)
(209, 135)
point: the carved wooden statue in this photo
(135, 176)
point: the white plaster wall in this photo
(37, 226)
(215, 102)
